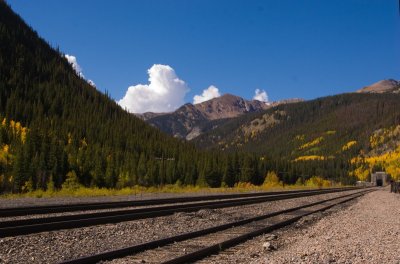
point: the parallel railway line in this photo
(196, 245)
(35, 225)
(48, 209)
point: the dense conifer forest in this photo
(56, 131)
(286, 129)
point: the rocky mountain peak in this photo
(190, 121)
(383, 86)
(229, 106)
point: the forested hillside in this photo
(190, 121)
(321, 127)
(54, 123)
(57, 131)
(319, 136)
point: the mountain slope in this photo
(314, 129)
(54, 123)
(228, 106)
(57, 131)
(190, 121)
(383, 86)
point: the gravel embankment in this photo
(33, 201)
(364, 231)
(51, 247)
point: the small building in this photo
(379, 178)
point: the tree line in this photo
(56, 128)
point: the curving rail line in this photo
(199, 241)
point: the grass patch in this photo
(171, 189)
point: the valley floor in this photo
(367, 231)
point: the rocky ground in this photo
(34, 201)
(53, 247)
(364, 231)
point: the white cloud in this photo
(91, 83)
(260, 95)
(72, 60)
(209, 93)
(77, 68)
(164, 93)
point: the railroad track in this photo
(48, 209)
(192, 246)
(36, 225)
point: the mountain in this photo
(228, 106)
(323, 128)
(57, 130)
(190, 121)
(383, 86)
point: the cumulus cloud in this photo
(91, 83)
(72, 60)
(260, 95)
(165, 92)
(209, 93)
(78, 69)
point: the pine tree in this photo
(229, 174)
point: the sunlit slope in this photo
(319, 129)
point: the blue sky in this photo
(303, 49)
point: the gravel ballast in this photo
(52, 247)
(139, 196)
(364, 231)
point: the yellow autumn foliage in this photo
(390, 161)
(331, 132)
(16, 129)
(383, 135)
(361, 173)
(312, 143)
(311, 157)
(348, 145)
(4, 154)
(317, 181)
(271, 179)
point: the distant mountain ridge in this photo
(229, 106)
(383, 86)
(59, 132)
(190, 121)
(318, 129)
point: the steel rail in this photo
(216, 248)
(123, 252)
(47, 209)
(36, 225)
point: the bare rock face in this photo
(384, 86)
(190, 121)
(229, 106)
(149, 115)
